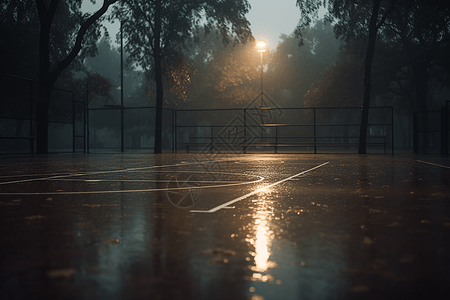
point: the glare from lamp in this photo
(261, 45)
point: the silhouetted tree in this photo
(78, 34)
(422, 29)
(225, 75)
(158, 30)
(107, 64)
(19, 32)
(353, 18)
(292, 69)
(228, 76)
(419, 28)
(342, 84)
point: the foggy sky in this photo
(268, 19)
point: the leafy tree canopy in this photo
(179, 20)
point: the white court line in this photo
(103, 172)
(31, 175)
(425, 162)
(146, 180)
(135, 191)
(235, 183)
(255, 191)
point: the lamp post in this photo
(121, 89)
(261, 45)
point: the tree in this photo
(419, 28)
(158, 30)
(354, 18)
(19, 38)
(342, 83)
(78, 33)
(292, 69)
(107, 64)
(422, 29)
(225, 75)
(373, 31)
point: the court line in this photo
(256, 191)
(425, 162)
(233, 183)
(145, 180)
(134, 191)
(170, 172)
(104, 172)
(31, 175)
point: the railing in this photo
(320, 130)
(136, 133)
(427, 127)
(12, 94)
(445, 130)
(211, 143)
(18, 95)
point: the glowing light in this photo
(261, 239)
(261, 45)
(264, 190)
(261, 246)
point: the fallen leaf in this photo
(35, 217)
(112, 241)
(61, 273)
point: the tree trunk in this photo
(19, 127)
(45, 18)
(158, 78)
(42, 127)
(421, 83)
(368, 77)
(47, 78)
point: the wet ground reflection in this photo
(260, 238)
(362, 227)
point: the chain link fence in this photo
(66, 125)
(269, 128)
(105, 130)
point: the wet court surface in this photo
(227, 227)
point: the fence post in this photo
(443, 130)
(415, 133)
(276, 139)
(73, 123)
(446, 126)
(315, 140)
(176, 131)
(245, 130)
(392, 130)
(173, 131)
(84, 127)
(87, 115)
(31, 120)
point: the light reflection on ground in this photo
(261, 240)
(360, 227)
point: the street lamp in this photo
(121, 89)
(261, 49)
(261, 45)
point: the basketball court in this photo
(222, 226)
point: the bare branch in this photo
(77, 47)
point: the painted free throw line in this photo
(212, 210)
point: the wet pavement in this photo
(225, 227)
